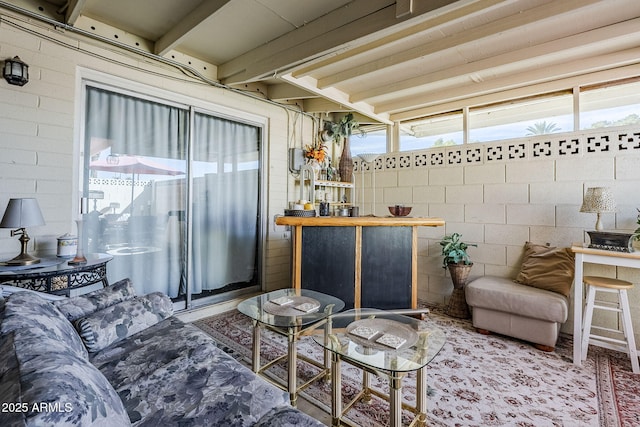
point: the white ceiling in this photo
(390, 60)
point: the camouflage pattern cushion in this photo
(119, 321)
(83, 305)
(44, 325)
(174, 374)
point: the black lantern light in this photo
(15, 71)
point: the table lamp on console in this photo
(22, 213)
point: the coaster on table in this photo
(282, 301)
(307, 307)
(391, 341)
(364, 332)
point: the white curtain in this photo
(141, 218)
(225, 202)
(138, 217)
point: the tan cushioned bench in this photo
(502, 306)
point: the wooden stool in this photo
(626, 345)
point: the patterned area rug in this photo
(475, 380)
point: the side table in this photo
(275, 311)
(385, 344)
(55, 275)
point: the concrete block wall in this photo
(39, 132)
(502, 194)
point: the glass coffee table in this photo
(292, 313)
(386, 344)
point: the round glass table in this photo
(386, 344)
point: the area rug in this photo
(476, 380)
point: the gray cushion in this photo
(43, 325)
(174, 374)
(119, 321)
(83, 305)
(503, 294)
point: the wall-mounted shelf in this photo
(306, 175)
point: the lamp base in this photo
(23, 259)
(611, 241)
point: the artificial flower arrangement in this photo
(315, 151)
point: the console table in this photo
(584, 254)
(56, 276)
(365, 261)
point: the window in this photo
(434, 131)
(534, 116)
(613, 105)
(372, 141)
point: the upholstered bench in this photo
(532, 307)
(505, 307)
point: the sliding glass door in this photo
(174, 196)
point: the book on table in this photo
(390, 340)
(307, 307)
(364, 332)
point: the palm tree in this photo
(542, 128)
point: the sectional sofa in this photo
(112, 358)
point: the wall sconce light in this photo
(15, 72)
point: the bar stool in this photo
(626, 345)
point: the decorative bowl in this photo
(400, 210)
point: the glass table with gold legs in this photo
(292, 313)
(385, 344)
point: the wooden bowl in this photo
(399, 210)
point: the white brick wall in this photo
(502, 200)
(37, 132)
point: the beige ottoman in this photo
(502, 306)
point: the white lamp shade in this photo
(368, 157)
(598, 200)
(21, 213)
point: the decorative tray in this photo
(299, 212)
(382, 334)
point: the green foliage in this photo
(636, 234)
(542, 128)
(345, 128)
(631, 119)
(454, 250)
(442, 143)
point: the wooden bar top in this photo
(365, 221)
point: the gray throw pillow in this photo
(117, 322)
(83, 305)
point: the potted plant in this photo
(457, 261)
(341, 132)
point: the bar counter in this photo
(365, 261)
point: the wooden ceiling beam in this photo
(341, 29)
(614, 37)
(620, 73)
(197, 16)
(491, 29)
(512, 81)
(74, 9)
(341, 98)
(428, 22)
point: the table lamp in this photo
(598, 200)
(22, 213)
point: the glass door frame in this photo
(87, 77)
